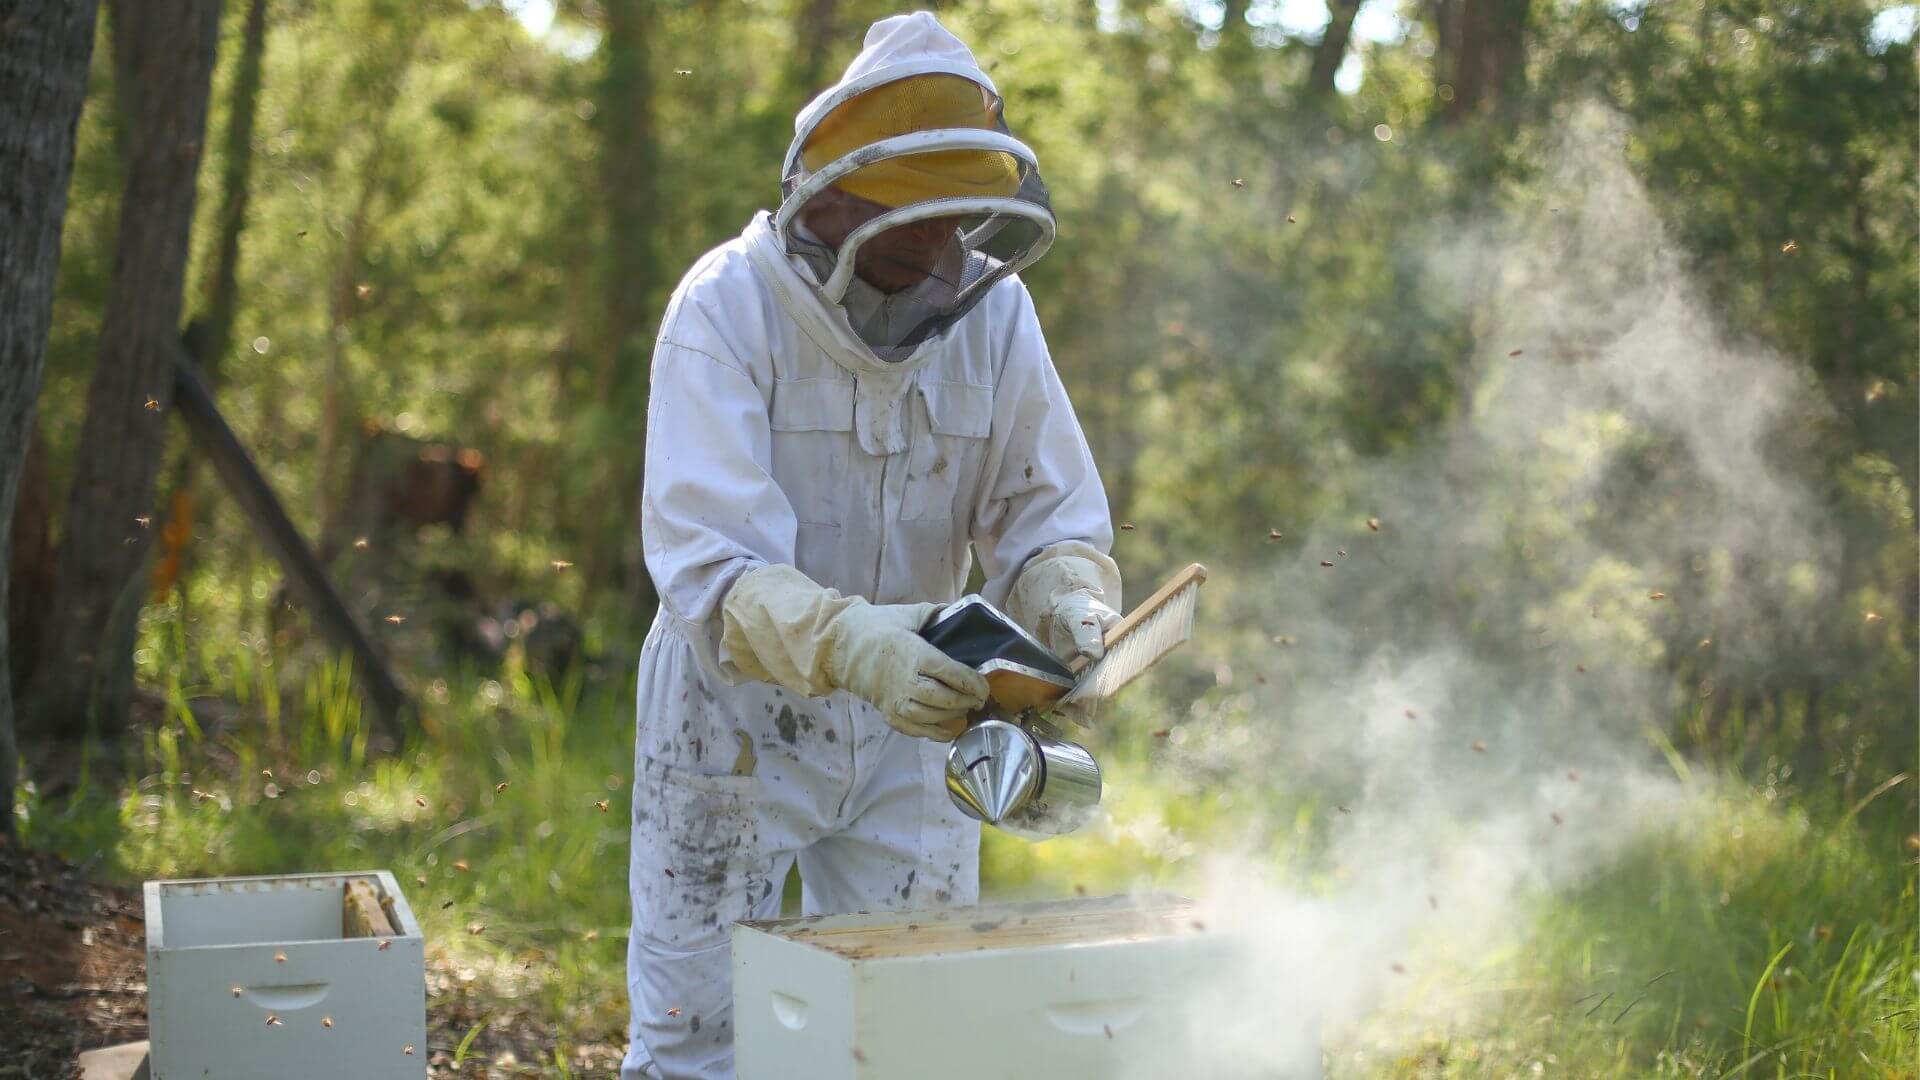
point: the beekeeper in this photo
(851, 401)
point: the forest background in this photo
(1537, 378)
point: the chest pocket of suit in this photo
(812, 421)
(944, 464)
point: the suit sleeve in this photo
(710, 508)
(1041, 488)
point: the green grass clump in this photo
(1739, 940)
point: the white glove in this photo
(1066, 595)
(877, 653)
(1077, 626)
(781, 627)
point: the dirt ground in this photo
(73, 978)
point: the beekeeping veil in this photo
(908, 158)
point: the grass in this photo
(1746, 939)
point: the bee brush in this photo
(1138, 641)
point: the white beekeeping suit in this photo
(812, 490)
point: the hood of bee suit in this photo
(913, 133)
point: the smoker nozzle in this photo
(1023, 778)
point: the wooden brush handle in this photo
(1191, 573)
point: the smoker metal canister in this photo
(1023, 778)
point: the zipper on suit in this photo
(880, 505)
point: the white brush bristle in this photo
(1130, 657)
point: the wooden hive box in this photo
(335, 960)
(1051, 989)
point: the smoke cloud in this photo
(1479, 736)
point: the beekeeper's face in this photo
(898, 258)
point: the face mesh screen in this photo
(912, 281)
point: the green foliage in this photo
(1275, 315)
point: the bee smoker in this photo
(1011, 767)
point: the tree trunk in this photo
(209, 337)
(30, 574)
(212, 333)
(629, 164)
(1484, 52)
(44, 55)
(164, 56)
(1332, 50)
(814, 32)
(1235, 45)
(336, 406)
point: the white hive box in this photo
(215, 974)
(1053, 990)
